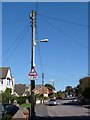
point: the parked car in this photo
(1, 110)
(1, 107)
(52, 102)
(74, 100)
(10, 109)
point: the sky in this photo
(63, 59)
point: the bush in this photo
(86, 93)
(22, 100)
(6, 117)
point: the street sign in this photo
(33, 74)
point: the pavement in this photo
(41, 110)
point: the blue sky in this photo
(64, 58)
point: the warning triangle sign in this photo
(33, 72)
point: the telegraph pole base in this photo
(32, 117)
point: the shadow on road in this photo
(72, 103)
(62, 118)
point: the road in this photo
(66, 110)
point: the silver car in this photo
(52, 102)
(74, 100)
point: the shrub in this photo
(86, 93)
(22, 100)
(6, 117)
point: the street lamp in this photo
(44, 40)
(33, 75)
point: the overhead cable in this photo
(61, 20)
(15, 21)
(15, 41)
(40, 58)
(18, 42)
(71, 38)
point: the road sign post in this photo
(33, 76)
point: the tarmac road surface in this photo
(64, 111)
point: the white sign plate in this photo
(33, 77)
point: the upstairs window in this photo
(1, 82)
(8, 82)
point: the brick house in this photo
(39, 89)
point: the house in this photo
(20, 90)
(50, 91)
(6, 79)
(40, 89)
(23, 90)
(36, 89)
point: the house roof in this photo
(39, 89)
(3, 72)
(38, 86)
(20, 88)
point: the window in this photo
(8, 82)
(1, 82)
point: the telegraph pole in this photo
(32, 17)
(33, 75)
(43, 85)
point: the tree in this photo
(86, 93)
(84, 83)
(6, 96)
(76, 90)
(69, 89)
(60, 94)
(49, 86)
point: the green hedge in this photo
(22, 100)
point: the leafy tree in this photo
(49, 86)
(76, 90)
(6, 96)
(84, 83)
(86, 93)
(60, 94)
(69, 89)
